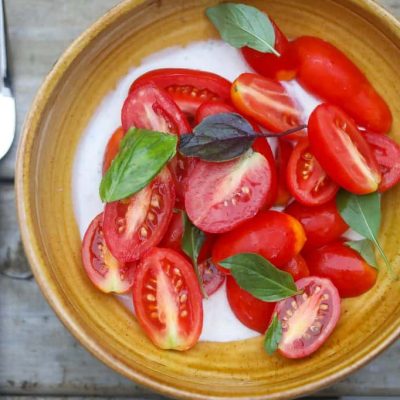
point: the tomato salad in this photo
(196, 200)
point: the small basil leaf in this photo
(366, 250)
(142, 155)
(259, 277)
(273, 335)
(241, 25)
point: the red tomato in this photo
(282, 156)
(307, 181)
(387, 154)
(328, 73)
(297, 267)
(268, 64)
(252, 312)
(220, 196)
(134, 225)
(276, 236)
(149, 107)
(173, 236)
(189, 88)
(167, 299)
(112, 148)
(309, 318)
(212, 107)
(212, 277)
(344, 267)
(106, 273)
(322, 224)
(266, 101)
(342, 151)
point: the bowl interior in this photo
(84, 75)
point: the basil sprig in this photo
(223, 137)
(273, 335)
(142, 155)
(241, 25)
(259, 277)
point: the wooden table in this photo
(38, 356)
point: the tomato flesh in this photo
(282, 156)
(212, 277)
(167, 299)
(308, 318)
(134, 225)
(103, 269)
(348, 271)
(297, 267)
(342, 151)
(220, 196)
(212, 107)
(173, 236)
(112, 148)
(251, 312)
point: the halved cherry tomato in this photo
(308, 318)
(212, 107)
(347, 270)
(134, 225)
(387, 154)
(189, 88)
(328, 73)
(322, 224)
(220, 196)
(268, 64)
(342, 151)
(297, 267)
(282, 156)
(149, 107)
(212, 277)
(112, 148)
(266, 101)
(173, 236)
(167, 299)
(252, 312)
(276, 236)
(106, 272)
(306, 180)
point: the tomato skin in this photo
(134, 225)
(322, 224)
(387, 155)
(328, 73)
(112, 148)
(251, 312)
(105, 272)
(306, 180)
(297, 267)
(167, 299)
(342, 151)
(266, 101)
(276, 236)
(309, 323)
(282, 156)
(212, 107)
(347, 270)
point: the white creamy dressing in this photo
(220, 324)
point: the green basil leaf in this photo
(273, 335)
(192, 241)
(142, 155)
(259, 277)
(242, 25)
(366, 250)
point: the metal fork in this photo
(7, 101)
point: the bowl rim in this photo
(32, 246)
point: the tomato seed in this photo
(177, 272)
(183, 298)
(154, 315)
(324, 306)
(184, 314)
(151, 297)
(143, 232)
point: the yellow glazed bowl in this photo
(81, 78)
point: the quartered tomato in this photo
(266, 101)
(329, 74)
(387, 155)
(297, 267)
(167, 299)
(282, 156)
(308, 318)
(173, 236)
(212, 277)
(212, 107)
(342, 151)
(189, 88)
(149, 107)
(253, 313)
(347, 270)
(104, 270)
(134, 225)
(112, 148)
(322, 224)
(268, 64)
(306, 180)
(276, 236)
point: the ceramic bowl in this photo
(91, 67)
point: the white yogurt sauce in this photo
(220, 324)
